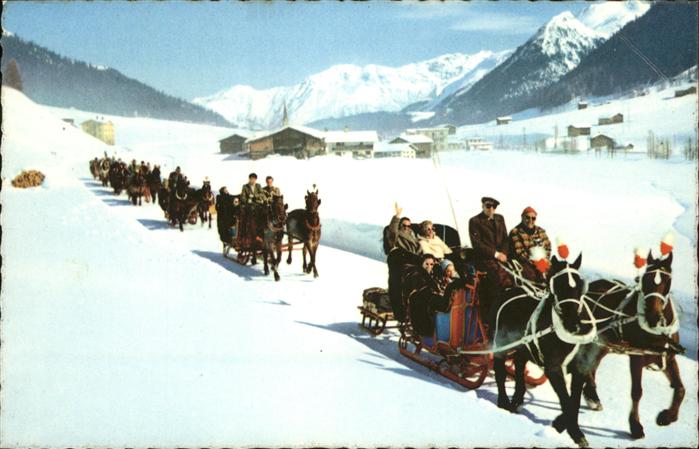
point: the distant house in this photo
(616, 118)
(70, 121)
(450, 128)
(582, 105)
(503, 120)
(104, 131)
(438, 135)
(299, 141)
(358, 144)
(422, 144)
(581, 130)
(683, 92)
(455, 143)
(601, 141)
(384, 149)
(233, 143)
(476, 143)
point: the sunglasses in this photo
(430, 229)
(530, 218)
(490, 206)
(405, 226)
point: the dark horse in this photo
(103, 171)
(640, 321)
(547, 330)
(184, 202)
(273, 235)
(154, 183)
(206, 200)
(136, 188)
(304, 226)
(117, 177)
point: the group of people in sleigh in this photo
(421, 268)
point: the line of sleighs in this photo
(252, 230)
(563, 325)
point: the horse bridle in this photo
(563, 333)
(662, 328)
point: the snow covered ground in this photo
(658, 111)
(119, 331)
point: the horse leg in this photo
(520, 386)
(590, 387)
(209, 218)
(558, 383)
(500, 375)
(636, 365)
(672, 371)
(576, 386)
(265, 256)
(314, 248)
(306, 267)
(289, 248)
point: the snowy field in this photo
(119, 331)
(658, 111)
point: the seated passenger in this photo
(424, 296)
(525, 236)
(430, 243)
(402, 248)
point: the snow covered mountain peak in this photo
(565, 34)
(347, 89)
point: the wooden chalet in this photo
(298, 141)
(234, 143)
(616, 118)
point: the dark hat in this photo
(221, 190)
(252, 175)
(486, 199)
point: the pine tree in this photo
(11, 77)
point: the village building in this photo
(232, 144)
(103, 131)
(298, 141)
(580, 130)
(438, 135)
(477, 143)
(70, 121)
(358, 144)
(455, 143)
(503, 120)
(688, 91)
(601, 141)
(582, 105)
(385, 149)
(450, 128)
(616, 118)
(422, 144)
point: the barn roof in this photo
(302, 129)
(385, 147)
(414, 138)
(351, 136)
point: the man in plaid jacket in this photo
(525, 236)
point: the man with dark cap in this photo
(402, 247)
(490, 243)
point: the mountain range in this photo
(51, 79)
(453, 88)
(346, 90)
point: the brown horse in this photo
(95, 168)
(136, 188)
(206, 200)
(273, 235)
(304, 226)
(640, 321)
(117, 177)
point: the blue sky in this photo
(193, 49)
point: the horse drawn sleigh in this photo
(257, 230)
(564, 325)
(455, 343)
